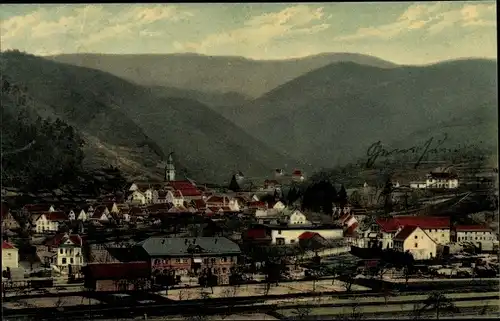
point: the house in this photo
(175, 197)
(349, 222)
(136, 197)
(481, 236)
(111, 206)
(68, 252)
(438, 228)
(8, 221)
(101, 213)
(49, 221)
(271, 184)
(278, 173)
(192, 255)
(297, 218)
(312, 241)
(199, 205)
(10, 256)
(437, 179)
(442, 180)
(415, 240)
(187, 188)
(297, 176)
(81, 215)
(114, 277)
(289, 234)
(276, 206)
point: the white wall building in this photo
(417, 242)
(136, 198)
(290, 235)
(481, 236)
(10, 256)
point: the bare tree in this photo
(354, 315)
(439, 302)
(229, 292)
(348, 280)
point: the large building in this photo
(416, 241)
(10, 256)
(196, 256)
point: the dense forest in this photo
(36, 153)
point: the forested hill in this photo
(35, 151)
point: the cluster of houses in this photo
(438, 179)
(425, 237)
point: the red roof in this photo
(473, 228)
(37, 207)
(182, 185)
(117, 271)
(217, 199)
(177, 194)
(405, 232)
(7, 246)
(257, 204)
(424, 222)
(199, 204)
(297, 172)
(63, 237)
(56, 216)
(256, 233)
(308, 235)
(190, 192)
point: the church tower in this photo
(170, 169)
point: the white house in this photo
(416, 241)
(442, 180)
(481, 236)
(10, 256)
(49, 222)
(276, 207)
(68, 249)
(438, 228)
(137, 198)
(297, 218)
(297, 176)
(148, 196)
(418, 185)
(175, 198)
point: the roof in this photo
(37, 207)
(117, 271)
(473, 228)
(177, 194)
(61, 238)
(190, 192)
(405, 232)
(7, 246)
(199, 204)
(424, 222)
(160, 246)
(297, 172)
(180, 185)
(257, 204)
(308, 235)
(217, 199)
(256, 233)
(56, 216)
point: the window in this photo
(71, 261)
(279, 232)
(416, 245)
(61, 251)
(212, 260)
(224, 259)
(224, 270)
(63, 260)
(292, 241)
(416, 237)
(66, 251)
(205, 261)
(177, 260)
(231, 259)
(81, 260)
(442, 235)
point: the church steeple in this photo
(170, 169)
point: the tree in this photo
(439, 302)
(302, 312)
(233, 185)
(342, 196)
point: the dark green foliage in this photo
(233, 185)
(320, 197)
(36, 152)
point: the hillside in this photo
(211, 74)
(332, 115)
(132, 126)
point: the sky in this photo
(401, 32)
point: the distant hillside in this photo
(332, 115)
(211, 74)
(132, 127)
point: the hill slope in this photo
(131, 122)
(333, 114)
(211, 74)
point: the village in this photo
(174, 236)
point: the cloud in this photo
(258, 32)
(432, 18)
(88, 25)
